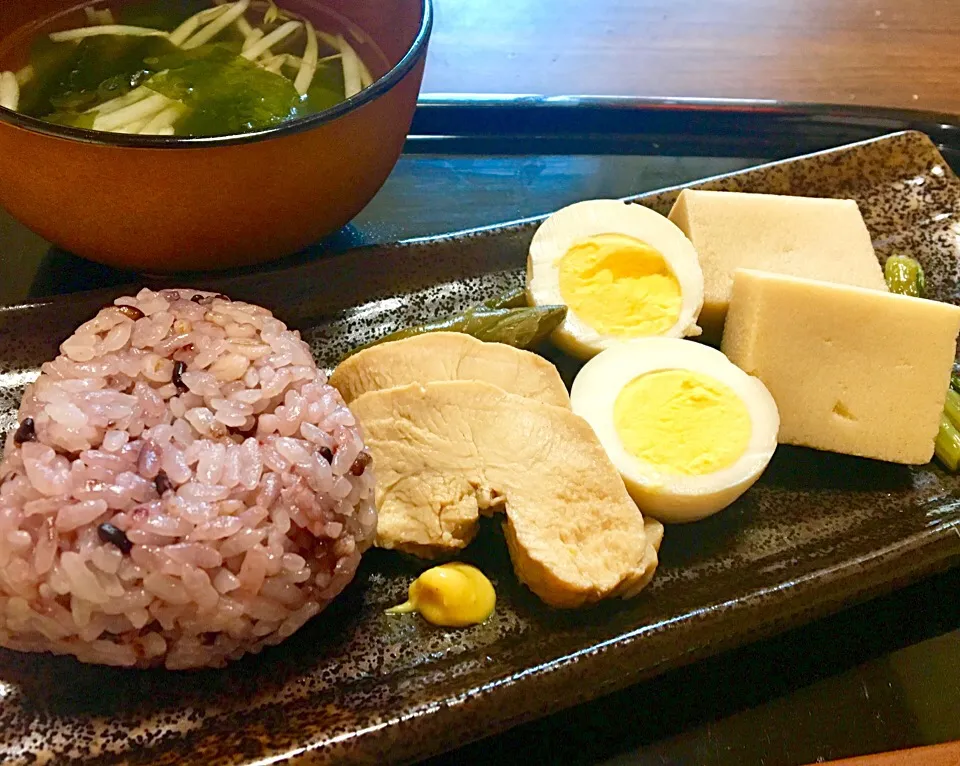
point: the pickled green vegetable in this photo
(518, 327)
(521, 328)
(951, 407)
(904, 276)
(947, 444)
(512, 299)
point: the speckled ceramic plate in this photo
(818, 531)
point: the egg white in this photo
(668, 497)
(582, 220)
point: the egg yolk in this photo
(451, 595)
(620, 286)
(682, 422)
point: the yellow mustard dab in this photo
(451, 595)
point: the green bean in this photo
(951, 407)
(905, 276)
(512, 299)
(519, 327)
(947, 444)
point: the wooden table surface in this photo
(897, 53)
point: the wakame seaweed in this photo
(326, 90)
(225, 93)
(160, 14)
(73, 77)
(77, 76)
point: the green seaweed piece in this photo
(75, 76)
(160, 14)
(224, 92)
(51, 63)
(72, 119)
(326, 90)
(220, 52)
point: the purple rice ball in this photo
(184, 487)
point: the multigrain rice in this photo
(183, 487)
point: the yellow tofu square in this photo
(856, 371)
(823, 239)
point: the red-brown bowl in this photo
(167, 204)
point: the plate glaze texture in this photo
(819, 531)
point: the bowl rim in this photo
(290, 127)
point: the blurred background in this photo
(879, 52)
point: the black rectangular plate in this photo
(818, 532)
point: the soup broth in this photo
(186, 68)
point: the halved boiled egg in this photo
(688, 430)
(623, 271)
